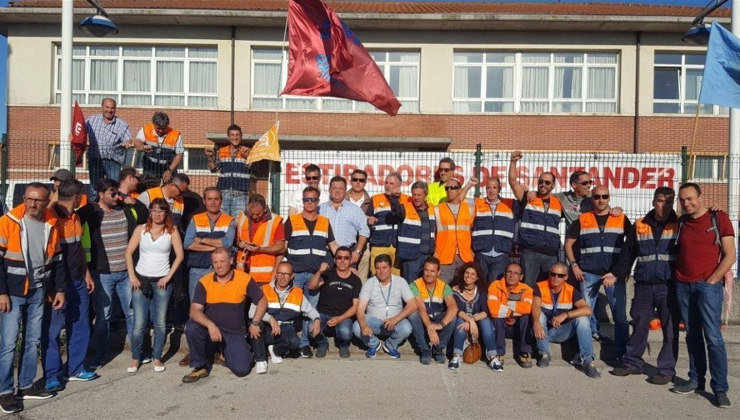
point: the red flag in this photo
(328, 59)
(79, 134)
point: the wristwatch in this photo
(255, 323)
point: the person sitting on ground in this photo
(559, 312)
(510, 306)
(434, 321)
(381, 310)
(286, 307)
(340, 293)
(217, 314)
(469, 289)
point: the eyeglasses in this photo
(312, 178)
(584, 183)
(558, 275)
(181, 191)
(310, 199)
(452, 187)
(283, 274)
(544, 182)
(363, 180)
(445, 169)
(600, 197)
(36, 200)
(342, 257)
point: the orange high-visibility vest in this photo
(453, 235)
(501, 303)
(259, 265)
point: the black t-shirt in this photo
(337, 293)
(311, 225)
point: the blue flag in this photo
(721, 81)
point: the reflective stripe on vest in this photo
(259, 265)
(656, 259)
(160, 154)
(565, 299)
(539, 227)
(599, 247)
(435, 302)
(306, 251)
(235, 171)
(409, 231)
(383, 233)
(290, 309)
(494, 229)
(453, 235)
(203, 229)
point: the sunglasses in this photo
(558, 275)
(363, 180)
(178, 189)
(600, 197)
(342, 257)
(584, 183)
(310, 199)
(445, 169)
(312, 178)
(544, 182)
(452, 187)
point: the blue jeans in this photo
(194, 275)
(301, 280)
(700, 304)
(411, 269)
(105, 286)
(234, 202)
(146, 308)
(492, 268)
(616, 296)
(420, 331)
(535, 265)
(73, 318)
(343, 332)
(99, 169)
(485, 331)
(395, 338)
(577, 326)
(28, 311)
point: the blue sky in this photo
(4, 47)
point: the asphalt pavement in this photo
(386, 388)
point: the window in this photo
(677, 83)
(270, 72)
(143, 75)
(708, 168)
(540, 82)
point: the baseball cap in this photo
(62, 175)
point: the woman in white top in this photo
(150, 279)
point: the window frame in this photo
(83, 95)
(356, 106)
(518, 66)
(719, 167)
(682, 69)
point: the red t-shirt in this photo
(699, 255)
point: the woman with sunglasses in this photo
(469, 289)
(150, 279)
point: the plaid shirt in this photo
(348, 222)
(106, 138)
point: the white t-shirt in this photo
(385, 301)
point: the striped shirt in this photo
(114, 232)
(106, 138)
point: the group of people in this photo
(433, 267)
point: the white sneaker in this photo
(274, 357)
(261, 367)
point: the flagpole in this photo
(733, 175)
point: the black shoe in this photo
(344, 352)
(660, 379)
(626, 371)
(589, 369)
(306, 352)
(721, 400)
(9, 405)
(687, 388)
(426, 357)
(34, 393)
(321, 351)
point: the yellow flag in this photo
(267, 147)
